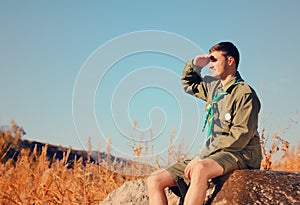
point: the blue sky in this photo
(46, 46)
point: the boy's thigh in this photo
(226, 160)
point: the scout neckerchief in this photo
(210, 110)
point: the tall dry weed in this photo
(9, 139)
(289, 159)
(34, 179)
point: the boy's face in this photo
(218, 64)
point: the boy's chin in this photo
(215, 76)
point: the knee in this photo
(208, 169)
(201, 170)
(153, 181)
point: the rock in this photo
(240, 187)
(257, 187)
(133, 193)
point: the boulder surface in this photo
(134, 193)
(258, 187)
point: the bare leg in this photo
(156, 184)
(201, 173)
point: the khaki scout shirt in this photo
(234, 128)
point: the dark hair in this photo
(229, 49)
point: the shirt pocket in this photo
(226, 122)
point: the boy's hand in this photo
(189, 168)
(201, 60)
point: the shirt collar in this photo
(236, 78)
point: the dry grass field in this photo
(32, 178)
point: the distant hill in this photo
(55, 152)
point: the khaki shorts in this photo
(227, 160)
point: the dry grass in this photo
(33, 179)
(289, 159)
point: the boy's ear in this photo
(230, 60)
